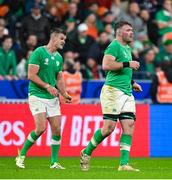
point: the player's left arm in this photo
(62, 88)
(136, 87)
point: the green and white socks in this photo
(125, 144)
(55, 146)
(94, 142)
(32, 137)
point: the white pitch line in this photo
(102, 167)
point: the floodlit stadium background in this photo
(152, 137)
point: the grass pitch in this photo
(101, 168)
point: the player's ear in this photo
(118, 32)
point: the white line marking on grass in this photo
(98, 167)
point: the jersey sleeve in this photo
(112, 49)
(61, 64)
(35, 57)
(159, 17)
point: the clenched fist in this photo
(134, 65)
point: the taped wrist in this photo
(126, 64)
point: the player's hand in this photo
(8, 77)
(53, 91)
(137, 87)
(67, 97)
(1, 77)
(134, 65)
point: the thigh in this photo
(129, 105)
(40, 121)
(108, 127)
(55, 124)
(127, 115)
(55, 121)
(53, 108)
(112, 100)
(36, 105)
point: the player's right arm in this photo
(33, 69)
(33, 76)
(110, 64)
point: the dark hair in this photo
(120, 24)
(101, 32)
(6, 37)
(58, 31)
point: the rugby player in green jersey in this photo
(116, 97)
(45, 74)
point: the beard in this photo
(128, 40)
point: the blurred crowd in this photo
(26, 24)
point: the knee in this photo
(56, 131)
(131, 125)
(130, 129)
(107, 130)
(40, 130)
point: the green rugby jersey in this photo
(120, 79)
(49, 66)
(164, 17)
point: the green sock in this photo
(94, 142)
(32, 137)
(55, 146)
(125, 144)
